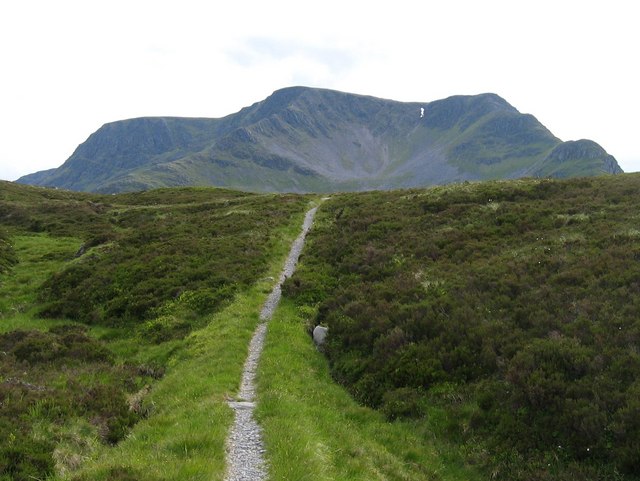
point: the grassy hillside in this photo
(7, 254)
(99, 396)
(314, 430)
(98, 297)
(502, 315)
(476, 331)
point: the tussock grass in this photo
(38, 256)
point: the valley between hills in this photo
(477, 330)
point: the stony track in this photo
(245, 449)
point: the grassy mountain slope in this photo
(506, 309)
(303, 139)
(166, 388)
(120, 148)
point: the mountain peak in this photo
(283, 98)
(572, 156)
(465, 109)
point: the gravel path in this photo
(245, 460)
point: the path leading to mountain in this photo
(245, 460)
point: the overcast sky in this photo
(67, 66)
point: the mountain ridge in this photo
(302, 139)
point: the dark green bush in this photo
(51, 376)
(23, 458)
(61, 344)
(403, 402)
(163, 329)
(8, 256)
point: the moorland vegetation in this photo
(97, 295)
(503, 313)
(492, 327)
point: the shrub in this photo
(62, 343)
(8, 256)
(206, 300)
(23, 458)
(164, 328)
(403, 402)
(165, 252)
(107, 405)
(527, 292)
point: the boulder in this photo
(319, 335)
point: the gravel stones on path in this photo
(245, 449)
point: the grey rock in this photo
(319, 335)
(81, 251)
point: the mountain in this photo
(316, 140)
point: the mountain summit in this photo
(316, 140)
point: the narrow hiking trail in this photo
(245, 460)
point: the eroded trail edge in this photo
(245, 449)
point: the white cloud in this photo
(260, 50)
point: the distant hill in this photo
(315, 140)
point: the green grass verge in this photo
(315, 431)
(184, 437)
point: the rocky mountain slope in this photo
(304, 139)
